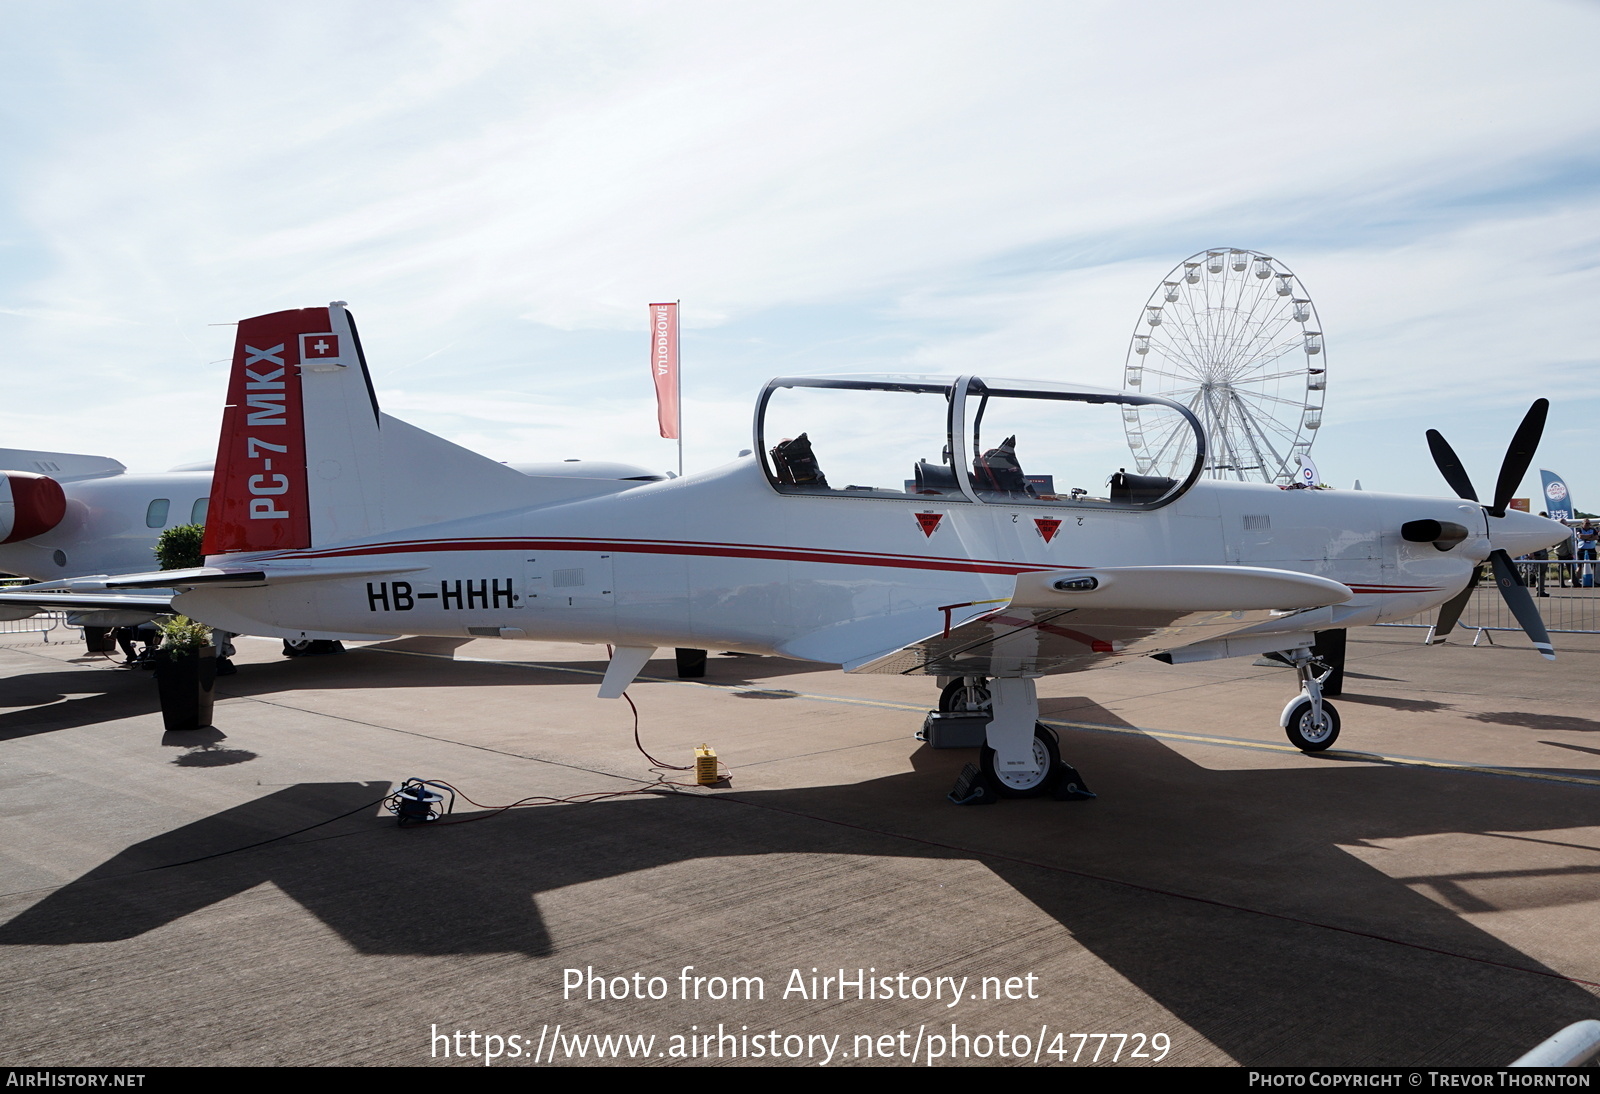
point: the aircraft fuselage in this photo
(721, 560)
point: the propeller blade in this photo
(1519, 455)
(1521, 602)
(1450, 466)
(1450, 610)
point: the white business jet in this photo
(66, 514)
(1008, 557)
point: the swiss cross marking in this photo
(315, 346)
(928, 522)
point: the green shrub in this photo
(179, 548)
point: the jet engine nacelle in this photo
(30, 505)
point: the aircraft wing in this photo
(1065, 620)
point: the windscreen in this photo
(1034, 447)
(859, 440)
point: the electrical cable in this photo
(637, 743)
(662, 784)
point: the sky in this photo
(499, 189)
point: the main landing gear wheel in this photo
(310, 647)
(962, 695)
(1306, 733)
(1046, 757)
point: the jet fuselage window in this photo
(155, 516)
(197, 515)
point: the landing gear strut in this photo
(1310, 721)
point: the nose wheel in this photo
(1307, 731)
(1310, 721)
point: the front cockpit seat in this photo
(795, 464)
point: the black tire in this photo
(956, 697)
(311, 647)
(1046, 749)
(1308, 737)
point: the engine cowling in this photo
(30, 505)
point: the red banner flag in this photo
(664, 365)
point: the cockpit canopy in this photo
(991, 441)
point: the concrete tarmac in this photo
(1424, 893)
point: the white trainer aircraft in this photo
(838, 541)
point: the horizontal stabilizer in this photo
(61, 466)
(246, 576)
(1065, 620)
(86, 601)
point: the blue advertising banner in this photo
(1557, 499)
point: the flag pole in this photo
(677, 334)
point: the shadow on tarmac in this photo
(53, 699)
(1228, 897)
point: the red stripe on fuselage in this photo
(738, 550)
(676, 547)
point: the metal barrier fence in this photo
(42, 624)
(1569, 609)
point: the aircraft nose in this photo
(1519, 533)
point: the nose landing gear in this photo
(1310, 721)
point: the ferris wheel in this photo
(1232, 335)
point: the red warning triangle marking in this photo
(1047, 527)
(929, 521)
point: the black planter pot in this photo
(185, 682)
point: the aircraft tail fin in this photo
(306, 458)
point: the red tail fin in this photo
(258, 490)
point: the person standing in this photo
(1537, 560)
(1564, 567)
(1588, 540)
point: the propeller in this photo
(1518, 458)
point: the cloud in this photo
(498, 190)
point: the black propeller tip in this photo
(1519, 455)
